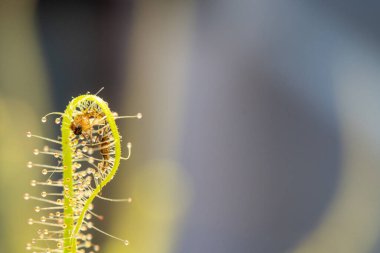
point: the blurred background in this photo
(260, 129)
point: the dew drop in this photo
(126, 242)
(44, 172)
(37, 209)
(43, 119)
(28, 246)
(26, 196)
(36, 152)
(30, 221)
(43, 194)
(57, 121)
(79, 154)
(33, 183)
(29, 164)
(29, 134)
(87, 245)
(139, 115)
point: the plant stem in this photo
(71, 228)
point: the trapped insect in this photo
(88, 155)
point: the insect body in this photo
(84, 122)
(104, 151)
(91, 125)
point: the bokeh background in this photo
(261, 119)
